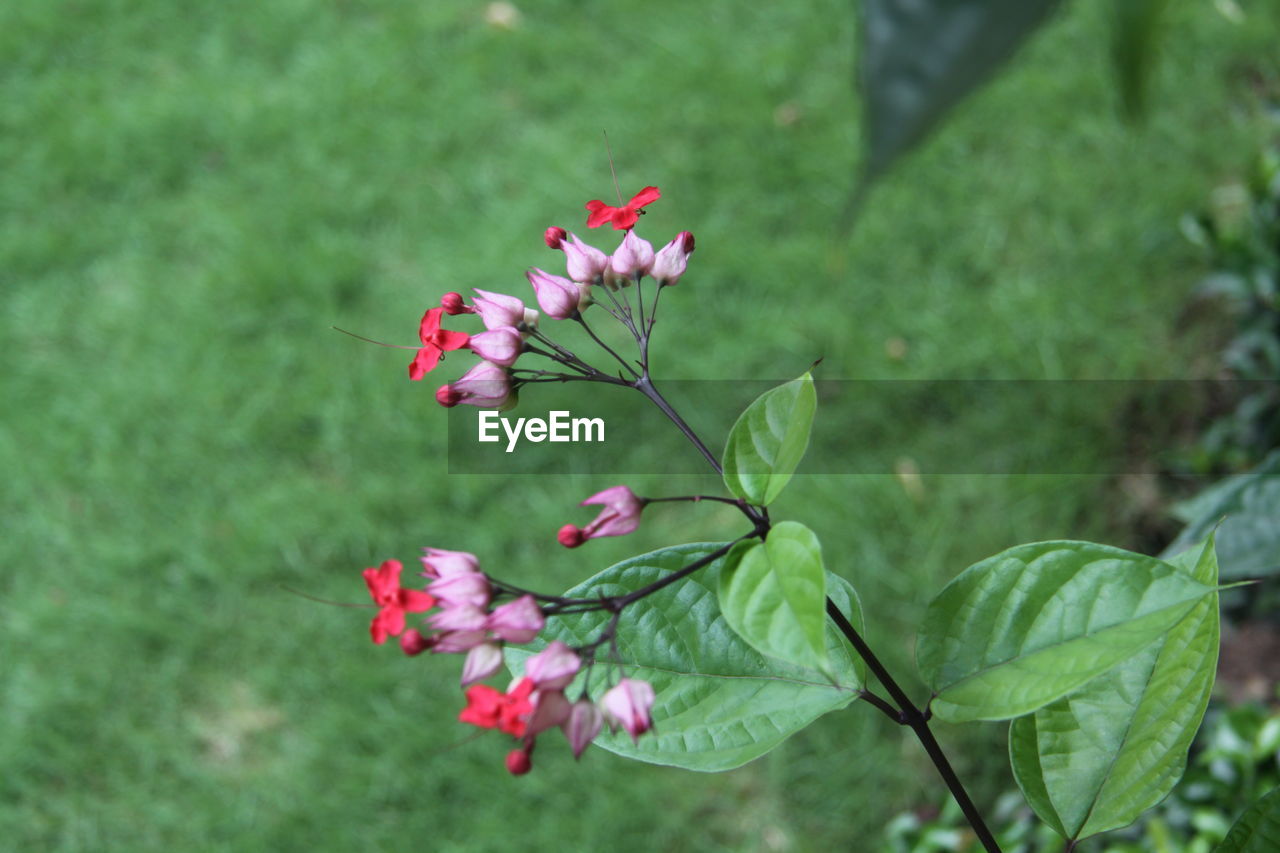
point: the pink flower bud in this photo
(558, 297)
(452, 303)
(517, 621)
(439, 563)
(670, 262)
(550, 709)
(585, 263)
(412, 642)
(554, 236)
(463, 588)
(519, 762)
(632, 256)
(620, 516)
(553, 667)
(502, 346)
(498, 309)
(582, 726)
(460, 617)
(487, 386)
(570, 536)
(627, 706)
(456, 642)
(482, 661)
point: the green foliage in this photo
(1018, 630)
(767, 442)
(774, 595)
(919, 60)
(1257, 830)
(1243, 509)
(1134, 37)
(720, 703)
(1099, 757)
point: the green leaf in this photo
(768, 441)
(774, 595)
(1099, 757)
(720, 703)
(919, 59)
(1018, 630)
(1248, 540)
(1257, 830)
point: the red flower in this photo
(384, 586)
(622, 218)
(435, 342)
(507, 712)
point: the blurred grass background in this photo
(192, 195)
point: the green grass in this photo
(193, 194)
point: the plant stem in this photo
(645, 386)
(915, 718)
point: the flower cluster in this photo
(464, 621)
(509, 324)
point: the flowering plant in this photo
(706, 656)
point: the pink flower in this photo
(435, 342)
(394, 601)
(553, 667)
(627, 706)
(585, 263)
(452, 303)
(498, 309)
(670, 262)
(557, 297)
(550, 709)
(633, 256)
(487, 385)
(622, 218)
(463, 588)
(439, 563)
(459, 617)
(582, 725)
(620, 516)
(456, 642)
(517, 621)
(501, 346)
(482, 661)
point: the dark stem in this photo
(919, 723)
(645, 386)
(582, 322)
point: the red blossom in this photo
(507, 712)
(394, 601)
(622, 218)
(435, 343)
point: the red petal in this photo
(423, 363)
(648, 195)
(600, 213)
(416, 601)
(390, 620)
(450, 341)
(624, 218)
(430, 324)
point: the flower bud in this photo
(558, 297)
(487, 386)
(633, 256)
(554, 236)
(498, 309)
(482, 661)
(585, 263)
(571, 536)
(519, 762)
(456, 642)
(464, 588)
(517, 621)
(550, 709)
(670, 262)
(627, 706)
(582, 726)
(502, 346)
(439, 563)
(412, 642)
(452, 303)
(553, 667)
